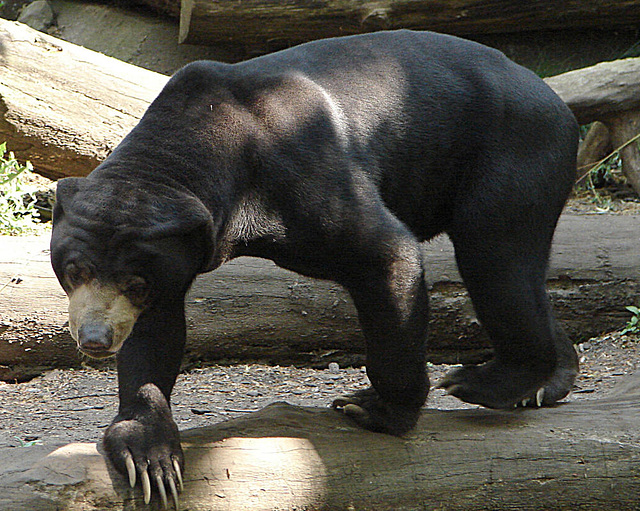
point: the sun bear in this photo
(334, 159)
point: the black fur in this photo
(335, 159)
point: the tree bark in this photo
(624, 129)
(581, 455)
(600, 92)
(254, 22)
(251, 310)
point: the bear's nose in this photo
(95, 339)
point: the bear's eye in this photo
(136, 289)
(75, 275)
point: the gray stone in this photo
(38, 15)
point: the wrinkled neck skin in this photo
(202, 171)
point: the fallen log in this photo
(250, 309)
(295, 21)
(595, 146)
(581, 455)
(64, 107)
(600, 92)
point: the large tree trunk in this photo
(254, 22)
(251, 310)
(582, 455)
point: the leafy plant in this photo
(18, 214)
(28, 442)
(633, 326)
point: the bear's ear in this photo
(204, 230)
(186, 215)
(65, 190)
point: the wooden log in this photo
(253, 22)
(595, 146)
(625, 128)
(251, 310)
(600, 92)
(64, 107)
(581, 455)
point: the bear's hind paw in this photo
(371, 412)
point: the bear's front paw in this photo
(147, 446)
(371, 412)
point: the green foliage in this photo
(546, 66)
(606, 172)
(633, 326)
(28, 443)
(18, 214)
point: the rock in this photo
(38, 15)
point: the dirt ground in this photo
(77, 405)
(619, 199)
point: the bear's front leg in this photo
(391, 298)
(146, 441)
(143, 442)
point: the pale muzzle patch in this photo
(96, 303)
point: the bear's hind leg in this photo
(504, 270)
(390, 295)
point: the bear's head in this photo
(117, 247)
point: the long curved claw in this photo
(162, 491)
(176, 467)
(146, 486)
(533, 401)
(131, 470)
(174, 493)
(356, 412)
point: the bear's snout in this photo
(100, 318)
(95, 339)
